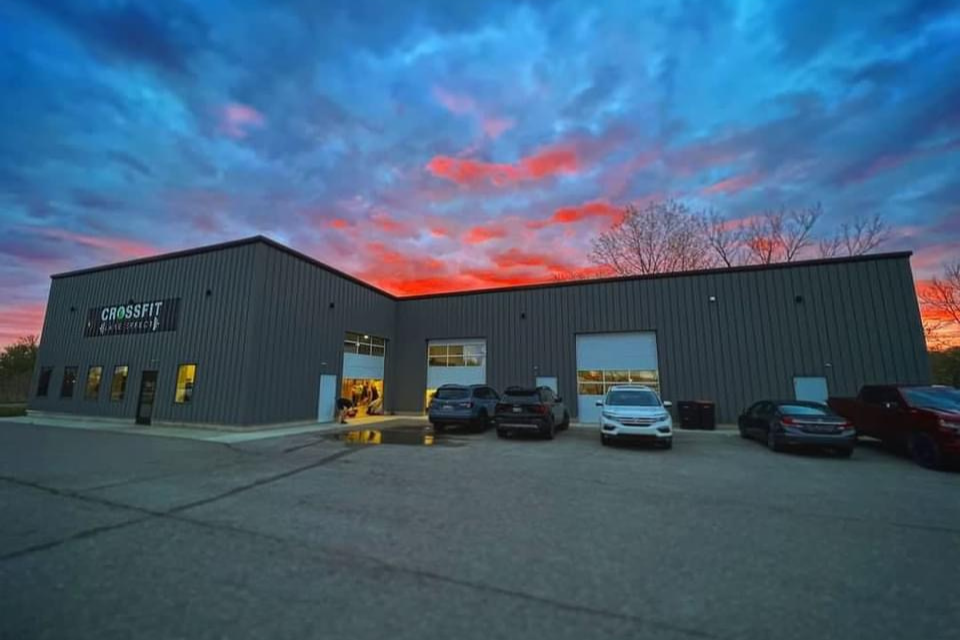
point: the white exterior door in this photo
(810, 389)
(327, 405)
(455, 361)
(608, 359)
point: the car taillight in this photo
(540, 408)
(950, 426)
(846, 425)
(788, 420)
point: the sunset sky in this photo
(431, 145)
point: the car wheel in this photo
(502, 433)
(845, 452)
(482, 422)
(550, 431)
(925, 451)
(605, 440)
(667, 444)
(566, 421)
(438, 427)
(772, 442)
(744, 434)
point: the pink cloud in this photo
(463, 105)
(237, 119)
(548, 162)
(587, 211)
(478, 235)
(116, 247)
(733, 184)
(20, 320)
(495, 127)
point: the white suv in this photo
(635, 413)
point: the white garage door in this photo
(608, 359)
(454, 361)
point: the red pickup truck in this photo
(922, 420)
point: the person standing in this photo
(343, 406)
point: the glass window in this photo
(616, 376)
(92, 391)
(936, 398)
(472, 361)
(366, 349)
(437, 361)
(363, 344)
(437, 350)
(378, 342)
(590, 376)
(455, 349)
(643, 376)
(349, 347)
(378, 350)
(43, 384)
(186, 375)
(118, 384)
(633, 398)
(456, 361)
(452, 393)
(472, 350)
(805, 410)
(69, 382)
(590, 389)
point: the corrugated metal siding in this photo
(210, 333)
(298, 336)
(858, 323)
(266, 334)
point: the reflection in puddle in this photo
(417, 436)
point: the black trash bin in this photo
(689, 412)
(708, 414)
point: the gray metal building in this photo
(251, 332)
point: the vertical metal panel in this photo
(266, 334)
(748, 344)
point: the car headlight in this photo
(949, 424)
(609, 416)
(663, 416)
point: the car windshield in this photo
(638, 398)
(936, 398)
(804, 410)
(453, 393)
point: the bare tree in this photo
(661, 237)
(726, 238)
(942, 296)
(856, 238)
(780, 235)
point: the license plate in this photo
(447, 407)
(517, 410)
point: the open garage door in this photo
(608, 359)
(455, 361)
(363, 364)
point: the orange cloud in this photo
(339, 223)
(589, 210)
(513, 258)
(20, 320)
(388, 224)
(477, 235)
(472, 173)
(440, 232)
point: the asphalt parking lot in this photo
(111, 535)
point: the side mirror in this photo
(667, 404)
(558, 399)
(599, 403)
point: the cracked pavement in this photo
(112, 535)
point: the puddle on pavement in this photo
(414, 435)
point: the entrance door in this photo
(148, 392)
(810, 389)
(548, 381)
(328, 398)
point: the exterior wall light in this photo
(713, 298)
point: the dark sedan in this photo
(531, 410)
(793, 423)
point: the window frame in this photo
(456, 354)
(44, 383)
(188, 398)
(126, 378)
(86, 385)
(73, 384)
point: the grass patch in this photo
(10, 410)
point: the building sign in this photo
(134, 317)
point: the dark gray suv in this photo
(457, 404)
